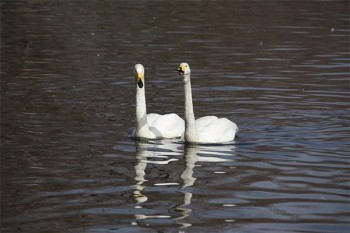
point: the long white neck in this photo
(142, 129)
(190, 122)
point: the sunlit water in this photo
(279, 70)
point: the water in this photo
(279, 70)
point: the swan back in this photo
(218, 130)
(166, 126)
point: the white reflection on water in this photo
(148, 153)
(192, 155)
(159, 153)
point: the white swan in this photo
(208, 129)
(153, 126)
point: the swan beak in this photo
(181, 70)
(139, 80)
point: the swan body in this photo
(153, 126)
(208, 129)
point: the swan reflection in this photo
(151, 152)
(165, 152)
(192, 155)
(140, 176)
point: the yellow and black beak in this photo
(139, 80)
(181, 70)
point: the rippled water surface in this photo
(278, 69)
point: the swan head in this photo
(139, 73)
(184, 70)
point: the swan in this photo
(208, 129)
(153, 126)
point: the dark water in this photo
(278, 69)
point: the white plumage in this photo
(153, 126)
(208, 129)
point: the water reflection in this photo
(153, 153)
(163, 153)
(192, 155)
(140, 175)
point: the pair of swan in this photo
(208, 129)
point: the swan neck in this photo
(190, 122)
(142, 129)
